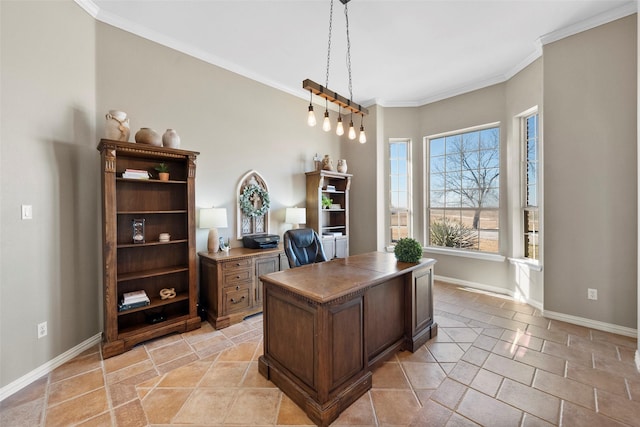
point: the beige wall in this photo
(590, 135)
(49, 266)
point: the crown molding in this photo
(595, 21)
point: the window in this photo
(530, 213)
(399, 189)
(464, 189)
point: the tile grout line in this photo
(112, 414)
(45, 402)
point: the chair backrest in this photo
(303, 246)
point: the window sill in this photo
(466, 254)
(532, 265)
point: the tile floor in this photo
(494, 362)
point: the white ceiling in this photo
(403, 52)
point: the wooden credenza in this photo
(230, 287)
(328, 325)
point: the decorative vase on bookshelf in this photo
(171, 139)
(327, 163)
(342, 165)
(117, 126)
(148, 136)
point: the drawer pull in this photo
(237, 277)
(234, 301)
(237, 287)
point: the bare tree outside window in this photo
(464, 181)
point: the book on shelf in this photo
(135, 174)
(123, 307)
(332, 233)
(135, 297)
(331, 188)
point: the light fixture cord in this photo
(346, 17)
(326, 82)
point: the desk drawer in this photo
(236, 264)
(236, 300)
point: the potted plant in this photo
(163, 172)
(408, 250)
(326, 202)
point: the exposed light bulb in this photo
(311, 117)
(339, 127)
(352, 131)
(326, 123)
(363, 136)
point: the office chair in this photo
(303, 246)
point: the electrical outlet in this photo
(592, 294)
(42, 329)
(27, 212)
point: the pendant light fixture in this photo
(311, 117)
(352, 131)
(334, 97)
(363, 137)
(326, 123)
(339, 127)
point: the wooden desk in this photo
(328, 325)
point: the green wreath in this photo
(246, 204)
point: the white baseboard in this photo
(489, 288)
(593, 324)
(637, 358)
(589, 323)
(44, 369)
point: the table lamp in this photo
(213, 218)
(295, 216)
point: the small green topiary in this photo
(408, 250)
(162, 168)
(326, 202)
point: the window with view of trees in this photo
(399, 189)
(464, 189)
(530, 209)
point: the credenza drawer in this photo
(236, 264)
(230, 287)
(237, 276)
(236, 300)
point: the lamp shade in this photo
(213, 218)
(295, 216)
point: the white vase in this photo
(171, 139)
(342, 165)
(117, 126)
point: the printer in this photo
(260, 241)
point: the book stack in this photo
(133, 300)
(331, 188)
(332, 233)
(135, 174)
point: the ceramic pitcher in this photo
(117, 126)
